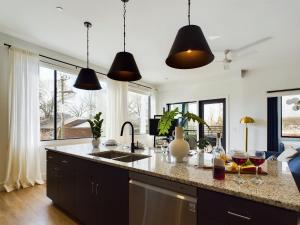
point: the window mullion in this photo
(55, 104)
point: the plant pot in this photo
(96, 143)
(179, 148)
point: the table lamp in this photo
(245, 120)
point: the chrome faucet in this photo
(132, 134)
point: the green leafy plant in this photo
(96, 125)
(203, 143)
(168, 117)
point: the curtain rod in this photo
(70, 64)
(284, 90)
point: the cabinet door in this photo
(85, 195)
(112, 196)
(52, 181)
(217, 208)
(67, 184)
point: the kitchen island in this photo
(276, 200)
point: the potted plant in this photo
(96, 128)
(179, 148)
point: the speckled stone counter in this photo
(278, 189)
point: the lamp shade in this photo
(190, 49)
(124, 68)
(87, 80)
(246, 120)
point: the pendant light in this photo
(87, 78)
(124, 67)
(190, 49)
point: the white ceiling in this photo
(151, 29)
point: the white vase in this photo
(179, 148)
(96, 143)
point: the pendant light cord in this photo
(87, 46)
(189, 12)
(124, 25)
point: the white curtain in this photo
(23, 168)
(117, 110)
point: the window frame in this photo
(149, 107)
(55, 112)
(281, 122)
(201, 114)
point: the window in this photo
(214, 114)
(190, 128)
(139, 111)
(290, 108)
(64, 110)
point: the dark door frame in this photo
(201, 114)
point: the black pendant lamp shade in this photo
(124, 67)
(190, 48)
(87, 78)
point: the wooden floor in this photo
(30, 206)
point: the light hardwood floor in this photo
(30, 206)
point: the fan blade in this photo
(250, 45)
(292, 101)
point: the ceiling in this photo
(151, 29)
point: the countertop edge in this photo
(267, 201)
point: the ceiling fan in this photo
(295, 102)
(232, 54)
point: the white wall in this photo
(245, 96)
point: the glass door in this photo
(214, 114)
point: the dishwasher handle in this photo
(163, 191)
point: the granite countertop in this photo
(278, 189)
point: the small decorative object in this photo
(219, 158)
(179, 148)
(245, 120)
(111, 142)
(96, 128)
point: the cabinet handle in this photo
(65, 161)
(97, 185)
(238, 215)
(50, 157)
(92, 187)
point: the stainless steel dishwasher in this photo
(155, 201)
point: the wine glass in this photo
(239, 157)
(257, 158)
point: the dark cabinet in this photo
(216, 208)
(61, 180)
(102, 194)
(94, 193)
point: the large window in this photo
(139, 111)
(64, 110)
(290, 108)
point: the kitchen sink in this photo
(131, 158)
(120, 156)
(110, 154)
